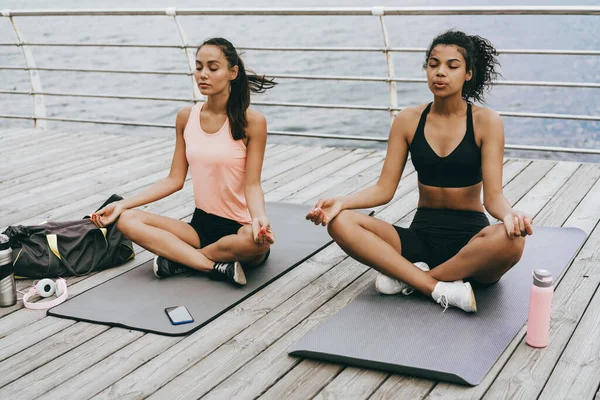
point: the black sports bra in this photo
(461, 168)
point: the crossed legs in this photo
(487, 256)
(178, 241)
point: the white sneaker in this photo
(388, 285)
(455, 294)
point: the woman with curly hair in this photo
(457, 149)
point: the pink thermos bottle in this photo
(540, 309)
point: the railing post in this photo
(380, 12)
(39, 105)
(189, 53)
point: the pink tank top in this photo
(218, 168)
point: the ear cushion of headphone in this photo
(45, 287)
(61, 287)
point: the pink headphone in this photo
(46, 288)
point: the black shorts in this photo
(211, 227)
(436, 235)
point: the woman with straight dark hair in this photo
(457, 149)
(222, 142)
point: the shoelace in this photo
(443, 301)
(221, 267)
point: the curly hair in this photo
(480, 57)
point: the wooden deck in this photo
(243, 353)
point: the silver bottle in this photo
(8, 289)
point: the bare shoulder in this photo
(257, 123)
(485, 117)
(183, 115)
(411, 113)
(407, 120)
(255, 117)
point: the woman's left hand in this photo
(261, 230)
(517, 224)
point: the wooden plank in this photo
(45, 161)
(152, 375)
(74, 164)
(271, 171)
(543, 191)
(92, 183)
(576, 375)
(293, 174)
(341, 176)
(586, 214)
(212, 369)
(303, 382)
(122, 162)
(16, 140)
(61, 369)
(245, 383)
(582, 180)
(43, 157)
(108, 365)
(526, 372)
(48, 148)
(360, 181)
(353, 383)
(403, 387)
(444, 390)
(20, 133)
(307, 179)
(44, 180)
(521, 183)
(32, 334)
(46, 350)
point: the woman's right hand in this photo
(324, 211)
(107, 215)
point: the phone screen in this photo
(179, 315)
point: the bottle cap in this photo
(4, 242)
(542, 278)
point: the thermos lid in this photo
(542, 278)
(4, 242)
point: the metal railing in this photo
(37, 93)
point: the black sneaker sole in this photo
(238, 274)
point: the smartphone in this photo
(179, 315)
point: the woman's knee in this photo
(509, 249)
(340, 224)
(126, 220)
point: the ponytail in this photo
(241, 86)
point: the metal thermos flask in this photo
(8, 290)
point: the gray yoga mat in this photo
(137, 299)
(411, 335)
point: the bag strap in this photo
(53, 245)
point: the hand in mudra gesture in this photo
(517, 224)
(324, 211)
(261, 230)
(107, 215)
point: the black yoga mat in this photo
(410, 335)
(137, 299)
